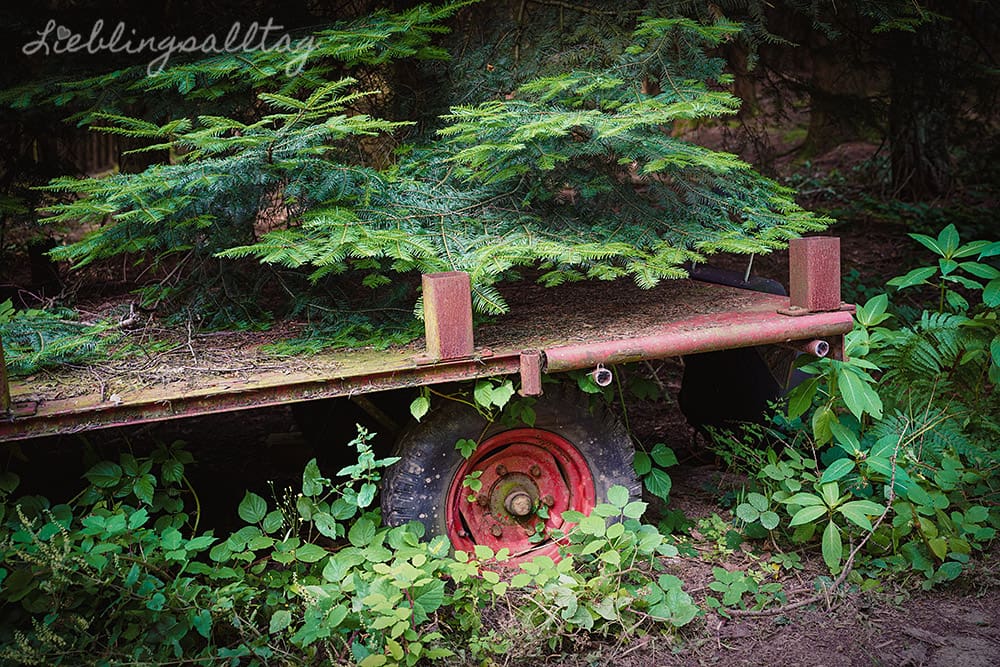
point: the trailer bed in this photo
(576, 325)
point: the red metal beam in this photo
(701, 334)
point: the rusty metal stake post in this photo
(448, 315)
(4, 387)
(814, 273)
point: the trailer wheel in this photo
(567, 460)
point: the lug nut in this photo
(497, 530)
(548, 500)
(501, 470)
(482, 501)
(535, 471)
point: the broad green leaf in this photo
(947, 266)
(280, 620)
(663, 455)
(833, 546)
(419, 407)
(252, 508)
(199, 543)
(611, 557)
(845, 437)
(837, 470)
(273, 521)
(831, 493)
(971, 248)
(991, 293)
(143, 488)
(948, 240)
(592, 525)
(914, 277)
(804, 499)
(9, 481)
(858, 511)
(635, 509)
(503, 393)
(769, 520)
(930, 243)
(821, 424)
(618, 496)
(858, 396)
(658, 483)
(917, 495)
(325, 524)
(948, 571)
(138, 519)
(362, 532)
(939, 547)
(483, 393)
(873, 312)
(800, 399)
(427, 598)
(642, 464)
(312, 480)
(310, 553)
(984, 271)
(366, 494)
(747, 512)
(202, 622)
(808, 515)
(104, 474)
(757, 500)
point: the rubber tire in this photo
(416, 488)
(726, 388)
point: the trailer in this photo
(566, 459)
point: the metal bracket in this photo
(531, 373)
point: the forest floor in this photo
(896, 623)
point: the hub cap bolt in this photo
(548, 500)
(501, 470)
(497, 530)
(518, 503)
(536, 471)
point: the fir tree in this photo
(571, 167)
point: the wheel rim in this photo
(521, 471)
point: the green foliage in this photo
(605, 581)
(35, 339)
(902, 436)
(121, 574)
(576, 172)
(650, 467)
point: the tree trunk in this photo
(920, 111)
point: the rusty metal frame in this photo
(450, 355)
(701, 334)
(65, 417)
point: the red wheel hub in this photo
(529, 478)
